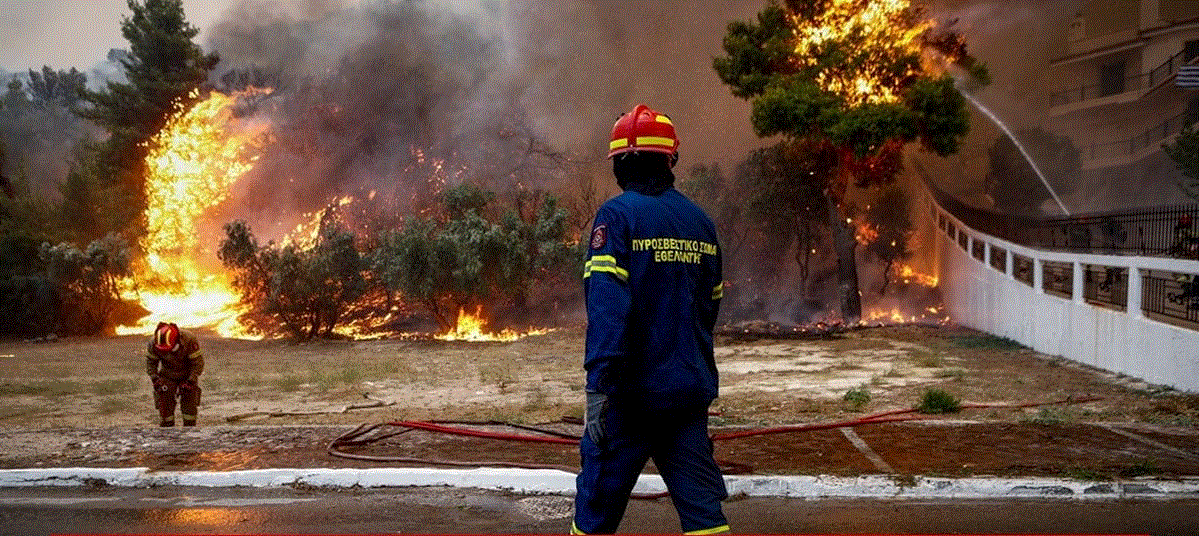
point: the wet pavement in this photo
(939, 447)
(460, 511)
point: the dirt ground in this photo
(87, 402)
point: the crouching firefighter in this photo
(174, 362)
(653, 287)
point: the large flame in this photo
(886, 28)
(191, 166)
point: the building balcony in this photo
(1122, 152)
(1117, 90)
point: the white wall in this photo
(981, 297)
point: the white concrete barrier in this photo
(979, 296)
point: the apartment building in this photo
(1114, 93)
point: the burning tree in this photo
(163, 69)
(860, 78)
(467, 257)
(889, 218)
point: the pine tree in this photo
(163, 69)
(847, 76)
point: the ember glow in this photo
(889, 26)
(909, 276)
(865, 233)
(192, 164)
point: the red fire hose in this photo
(358, 436)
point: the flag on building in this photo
(1188, 76)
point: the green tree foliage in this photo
(56, 88)
(163, 69)
(25, 222)
(1185, 153)
(88, 281)
(801, 65)
(38, 130)
(1012, 182)
(784, 188)
(721, 199)
(462, 259)
(300, 291)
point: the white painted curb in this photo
(549, 481)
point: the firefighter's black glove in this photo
(593, 420)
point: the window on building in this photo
(1190, 50)
(1111, 78)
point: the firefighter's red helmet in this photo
(643, 129)
(166, 337)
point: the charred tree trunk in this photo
(847, 265)
(803, 256)
(890, 263)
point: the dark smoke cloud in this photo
(361, 84)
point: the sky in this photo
(74, 33)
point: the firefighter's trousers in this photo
(165, 393)
(682, 451)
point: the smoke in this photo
(502, 92)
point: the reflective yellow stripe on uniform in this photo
(713, 530)
(718, 291)
(605, 263)
(574, 529)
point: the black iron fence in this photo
(1171, 297)
(1057, 278)
(1106, 286)
(1169, 232)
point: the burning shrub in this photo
(470, 256)
(463, 260)
(293, 289)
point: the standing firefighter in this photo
(653, 286)
(174, 362)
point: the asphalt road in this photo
(43, 510)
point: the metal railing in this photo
(1106, 285)
(1058, 278)
(1151, 137)
(1156, 232)
(1169, 232)
(1142, 81)
(1171, 297)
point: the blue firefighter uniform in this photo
(653, 288)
